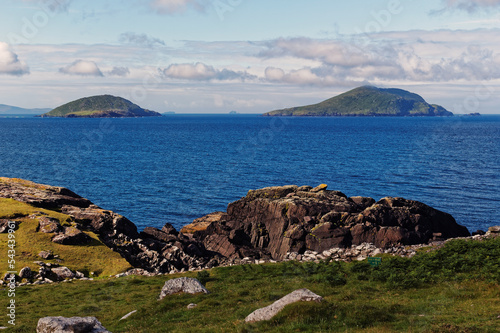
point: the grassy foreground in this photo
(453, 289)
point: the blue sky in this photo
(252, 56)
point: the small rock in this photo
(192, 306)
(318, 188)
(48, 225)
(494, 229)
(270, 311)
(63, 273)
(70, 325)
(72, 236)
(45, 254)
(25, 273)
(182, 285)
(79, 275)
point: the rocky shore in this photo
(267, 225)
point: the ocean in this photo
(178, 168)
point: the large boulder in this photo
(70, 325)
(268, 312)
(72, 236)
(63, 273)
(182, 285)
(275, 220)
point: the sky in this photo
(250, 56)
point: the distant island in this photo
(9, 109)
(103, 106)
(368, 101)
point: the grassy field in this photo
(453, 289)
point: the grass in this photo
(92, 257)
(463, 296)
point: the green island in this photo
(103, 106)
(368, 101)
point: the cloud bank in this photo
(10, 63)
(82, 68)
(202, 72)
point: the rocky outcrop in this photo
(70, 325)
(268, 312)
(267, 224)
(274, 221)
(182, 285)
(154, 250)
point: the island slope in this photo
(102, 106)
(368, 101)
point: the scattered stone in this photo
(63, 273)
(318, 188)
(70, 325)
(25, 273)
(191, 306)
(128, 315)
(270, 311)
(72, 236)
(79, 275)
(494, 229)
(48, 224)
(182, 285)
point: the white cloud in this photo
(83, 68)
(140, 39)
(10, 63)
(178, 6)
(437, 56)
(201, 72)
(472, 5)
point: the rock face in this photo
(182, 285)
(158, 251)
(70, 325)
(275, 220)
(267, 313)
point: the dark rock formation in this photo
(158, 251)
(275, 220)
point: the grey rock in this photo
(494, 229)
(49, 225)
(70, 325)
(270, 311)
(182, 285)
(191, 306)
(72, 236)
(25, 273)
(63, 273)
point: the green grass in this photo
(92, 257)
(462, 296)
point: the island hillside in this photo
(368, 101)
(103, 106)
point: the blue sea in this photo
(177, 168)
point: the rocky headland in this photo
(269, 224)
